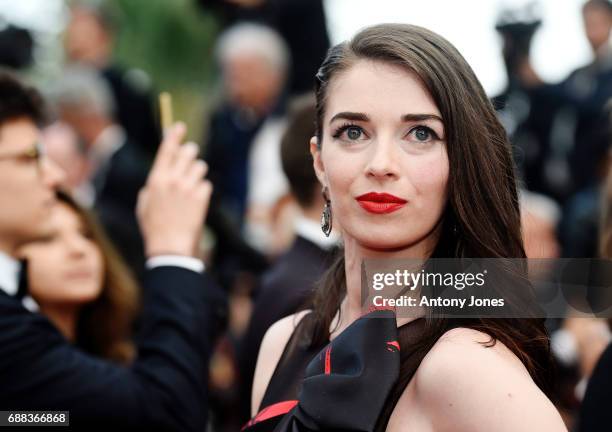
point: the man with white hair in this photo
(117, 168)
(254, 61)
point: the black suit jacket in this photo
(595, 413)
(166, 386)
(285, 288)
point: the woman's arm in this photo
(462, 385)
(270, 352)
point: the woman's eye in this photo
(349, 133)
(422, 134)
(353, 133)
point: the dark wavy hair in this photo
(481, 219)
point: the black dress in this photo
(343, 385)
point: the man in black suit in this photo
(166, 386)
(290, 283)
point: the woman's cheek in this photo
(44, 276)
(430, 177)
(340, 194)
(340, 191)
(99, 260)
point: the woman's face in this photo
(383, 157)
(67, 267)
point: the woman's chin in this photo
(382, 240)
(384, 243)
(81, 295)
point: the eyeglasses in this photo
(33, 154)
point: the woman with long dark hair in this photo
(81, 284)
(414, 164)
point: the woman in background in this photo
(79, 282)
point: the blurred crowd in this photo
(263, 242)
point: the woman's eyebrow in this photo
(357, 116)
(420, 117)
(347, 115)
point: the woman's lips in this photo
(380, 203)
(79, 274)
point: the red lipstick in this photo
(380, 203)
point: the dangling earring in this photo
(326, 216)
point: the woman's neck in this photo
(351, 307)
(64, 318)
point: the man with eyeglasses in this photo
(165, 387)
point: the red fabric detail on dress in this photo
(393, 344)
(328, 360)
(280, 408)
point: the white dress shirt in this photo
(9, 280)
(9, 274)
(267, 180)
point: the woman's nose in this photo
(76, 247)
(383, 163)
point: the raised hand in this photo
(174, 202)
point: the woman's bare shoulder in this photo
(479, 387)
(270, 351)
